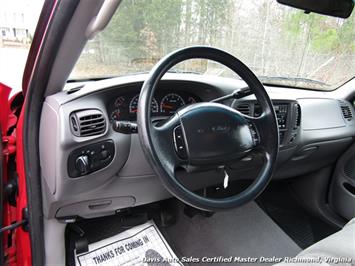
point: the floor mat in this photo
(140, 245)
(280, 204)
(97, 229)
(245, 232)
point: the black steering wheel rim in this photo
(160, 158)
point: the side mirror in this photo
(335, 8)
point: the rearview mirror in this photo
(335, 8)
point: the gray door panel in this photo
(342, 190)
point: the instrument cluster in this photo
(164, 104)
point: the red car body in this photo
(16, 243)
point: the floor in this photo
(281, 204)
(243, 232)
(273, 226)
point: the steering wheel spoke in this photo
(260, 128)
(257, 127)
(170, 144)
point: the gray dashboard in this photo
(318, 128)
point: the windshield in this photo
(282, 45)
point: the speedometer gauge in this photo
(133, 105)
(171, 103)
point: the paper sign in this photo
(140, 245)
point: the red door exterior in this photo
(16, 243)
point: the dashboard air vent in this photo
(86, 123)
(346, 111)
(244, 109)
(298, 116)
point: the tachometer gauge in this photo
(119, 101)
(133, 105)
(171, 103)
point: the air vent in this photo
(298, 116)
(87, 123)
(346, 111)
(244, 109)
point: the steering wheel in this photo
(207, 133)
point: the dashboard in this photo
(89, 169)
(164, 104)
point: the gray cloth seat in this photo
(336, 249)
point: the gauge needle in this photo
(134, 110)
(168, 106)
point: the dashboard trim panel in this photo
(129, 174)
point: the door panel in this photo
(1, 198)
(4, 106)
(342, 191)
(4, 113)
